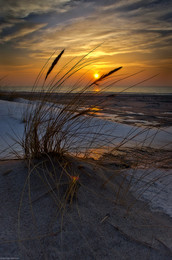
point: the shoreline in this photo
(132, 109)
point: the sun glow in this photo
(96, 89)
(96, 76)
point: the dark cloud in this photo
(167, 17)
(148, 5)
(19, 30)
(23, 8)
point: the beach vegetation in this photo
(60, 125)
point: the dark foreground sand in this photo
(94, 227)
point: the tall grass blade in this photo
(54, 63)
(106, 75)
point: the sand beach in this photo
(121, 209)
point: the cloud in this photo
(132, 32)
(21, 31)
(23, 8)
(121, 33)
(7, 23)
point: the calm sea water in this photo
(136, 89)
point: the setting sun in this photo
(96, 76)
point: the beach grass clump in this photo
(64, 126)
(58, 129)
(60, 124)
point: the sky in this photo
(134, 34)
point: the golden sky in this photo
(135, 34)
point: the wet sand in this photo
(138, 109)
(153, 110)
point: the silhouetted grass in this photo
(55, 131)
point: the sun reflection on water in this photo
(95, 111)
